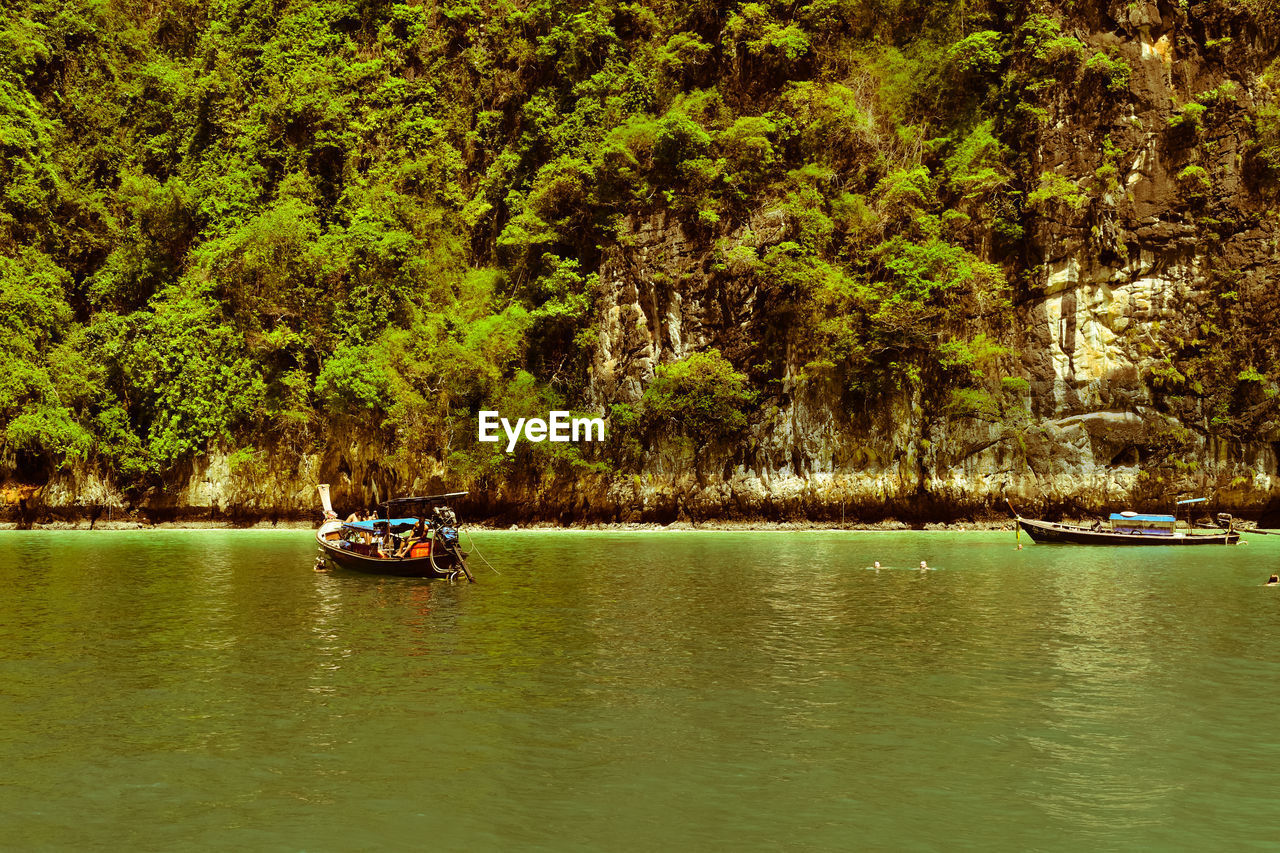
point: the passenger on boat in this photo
(415, 536)
(386, 541)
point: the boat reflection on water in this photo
(1106, 683)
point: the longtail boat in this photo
(1132, 528)
(411, 541)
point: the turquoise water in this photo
(638, 691)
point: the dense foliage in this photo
(267, 223)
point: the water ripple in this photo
(629, 691)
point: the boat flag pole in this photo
(1017, 526)
(324, 501)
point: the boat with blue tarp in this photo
(1134, 528)
(418, 537)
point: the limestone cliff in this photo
(1160, 240)
(1116, 274)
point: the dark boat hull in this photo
(1047, 532)
(444, 564)
(419, 567)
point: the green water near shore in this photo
(698, 690)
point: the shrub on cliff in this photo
(349, 383)
(701, 395)
(1110, 72)
(38, 371)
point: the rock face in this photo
(1091, 335)
(1166, 226)
(1164, 208)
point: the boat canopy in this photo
(1192, 501)
(1167, 519)
(373, 524)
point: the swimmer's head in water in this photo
(877, 564)
(1274, 579)
(923, 564)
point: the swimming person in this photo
(876, 566)
(1273, 580)
(924, 567)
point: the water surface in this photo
(637, 691)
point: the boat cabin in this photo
(1143, 525)
(380, 536)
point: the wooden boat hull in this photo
(442, 564)
(1047, 532)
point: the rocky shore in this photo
(889, 525)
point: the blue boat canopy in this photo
(1192, 501)
(1115, 516)
(378, 522)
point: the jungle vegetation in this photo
(251, 224)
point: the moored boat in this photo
(411, 541)
(1131, 528)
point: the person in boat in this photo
(384, 541)
(393, 544)
(414, 536)
(355, 516)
